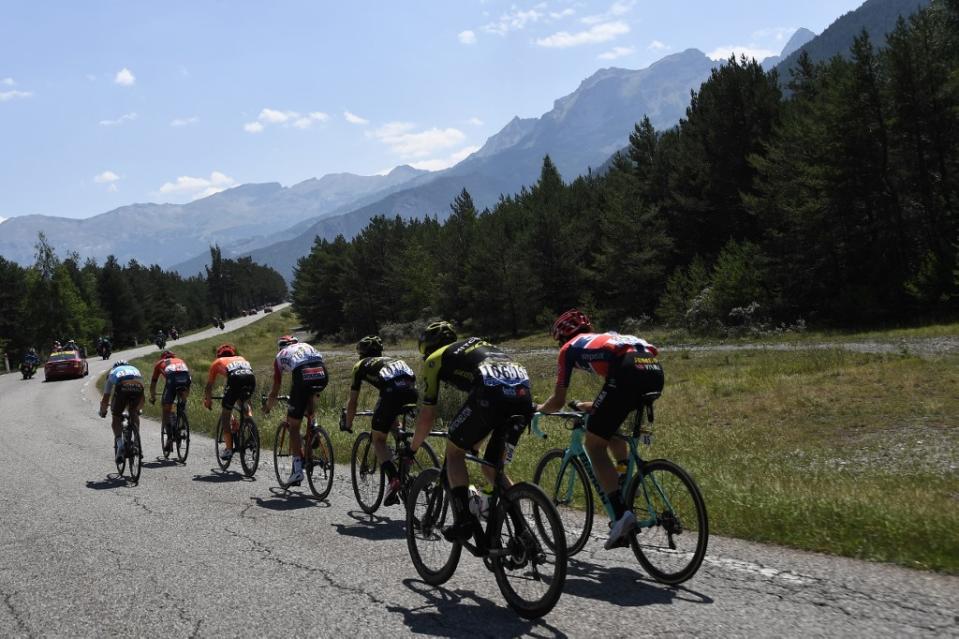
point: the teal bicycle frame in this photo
(576, 450)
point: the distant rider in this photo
(309, 378)
(240, 384)
(396, 383)
(126, 384)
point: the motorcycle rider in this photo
(30, 360)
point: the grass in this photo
(820, 449)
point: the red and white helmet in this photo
(570, 323)
(285, 341)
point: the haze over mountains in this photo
(277, 225)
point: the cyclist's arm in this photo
(105, 400)
(424, 423)
(555, 402)
(153, 381)
(351, 408)
(210, 379)
(275, 389)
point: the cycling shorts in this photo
(487, 410)
(127, 396)
(308, 380)
(239, 387)
(175, 382)
(390, 405)
(628, 381)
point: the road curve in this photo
(193, 552)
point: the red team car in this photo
(65, 364)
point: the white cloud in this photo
(352, 118)
(656, 45)
(404, 141)
(559, 15)
(197, 187)
(253, 127)
(125, 78)
(185, 121)
(475, 121)
(515, 20)
(439, 164)
(126, 117)
(14, 95)
(467, 37)
(779, 34)
(106, 177)
(615, 10)
(272, 116)
(750, 51)
(8, 81)
(599, 33)
(284, 118)
(616, 52)
(307, 120)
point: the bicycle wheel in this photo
(134, 455)
(428, 513)
(122, 464)
(219, 447)
(282, 457)
(568, 488)
(182, 438)
(165, 437)
(250, 449)
(319, 464)
(672, 529)
(365, 471)
(425, 458)
(530, 566)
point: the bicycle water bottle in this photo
(479, 502)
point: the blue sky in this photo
(106, 103)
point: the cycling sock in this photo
(390, 469)
(461, 496)
(616, 501)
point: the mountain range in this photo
(276, 225)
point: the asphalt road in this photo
(191, 551)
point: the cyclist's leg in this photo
(503, 404)
(609, 410)
(116, 414)
(466, 430)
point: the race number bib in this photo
(503, 374)
(239, 368)
(395, 369)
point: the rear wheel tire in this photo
(282, 458)
(134, 455)
(250, 452)
(368, 479)
(182, 438)
(569, 490)
(319, 464)
(219, 447)
(166, 437)
(429, 511)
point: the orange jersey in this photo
(226, 365)
(168, 365)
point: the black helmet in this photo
(370, 346)
(434, 336)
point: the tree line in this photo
(71, 298)
(831, 198)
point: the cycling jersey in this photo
(292, 357)
(468, 364)
(595, 353)
(229, 366)
(382, 373)
(177, 376)
(168, 366)
(123, 378)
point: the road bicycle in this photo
(132, 460)
(369, 479)
(176, 432)
(246, 438)
(523, 544)
(672, 528)
(318, 461)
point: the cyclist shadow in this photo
(372, 527)
(160, 462)
(444, 615)
(111, 481)
(288, 500)
(218, 476)
(623, 586)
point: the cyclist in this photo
(309, 378)
(178, 381)
(104, 346)
(396, 382)
(126, 384)
(498, 389)
(31, 358)
(631, 369)
(240, 384)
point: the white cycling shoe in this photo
(620, 528)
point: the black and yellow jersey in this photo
(467, 364)
(381, 372)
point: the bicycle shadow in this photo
(161, 462)
(218, 476)
(287, 500)
(372, 527)
(112, 480)
(623, 586)
(446, 613)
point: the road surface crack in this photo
(17, 616)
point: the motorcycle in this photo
(222, 325)
(160, 342)
(28, 369)
(104, 351)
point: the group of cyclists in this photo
(498, 389)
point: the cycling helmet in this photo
(226, 350)
(370, 346)
(570, 323)
(434, 336)
(167, 354)
(119, 362)
(286, 340)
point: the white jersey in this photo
(293, 356)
